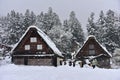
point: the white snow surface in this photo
(46, 39)
(20, 72)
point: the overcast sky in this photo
(82, 8)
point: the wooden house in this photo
(93, 50)
(36, 48)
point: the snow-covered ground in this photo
(20, 72)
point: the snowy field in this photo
(15, 72)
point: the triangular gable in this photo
(44, 37)
(86, 44)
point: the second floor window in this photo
(91, 49)
(91, 52)
(39, 47)
(91, 46)
(33, 39)
(27, 47)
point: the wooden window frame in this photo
(91, 46)
(39, 47)
(33, 39)
(27, 47)
(91, 49)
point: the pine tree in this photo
(74, 27)
(56, 34)
(117, 24)
(78, 35)
(111, 37)
(101, 28)
(39, 21)
(15, 27)
(1, 29)
(66, 26)
(66, 38)
(29, 18)
(48, 20)
(5, 24)
(91, 26)
(12, 28)
(116, 58)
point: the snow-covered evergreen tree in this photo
(15, 27)
(1, 29)
(56, 34)
(48, 20)
(91, 26)
(73, 26)
(17, 23)
(4, 23)
(101, 28)
(76, 29)
(117, 24)
(29, 18)
(116, 58)
(39, 21)
(111, 36)
(12, 28)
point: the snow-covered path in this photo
(14, 72)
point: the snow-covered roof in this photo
(106, 50)
(45, 38)
(92, 36)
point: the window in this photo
(33, 39)
(91, 49)
(91, 46)
(39, 47)
(27, 47)
(91, 52)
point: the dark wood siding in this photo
(26, 60)
(19, 60)
(44, 62)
